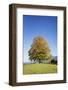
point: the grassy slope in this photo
(39, 68)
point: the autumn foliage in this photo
(39, 50)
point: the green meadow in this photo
(39, 68)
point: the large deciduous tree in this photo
(39, 50)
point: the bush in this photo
(54, 61)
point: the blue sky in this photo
(45, 26)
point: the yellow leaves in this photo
(39, 49)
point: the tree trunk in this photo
(39, 61)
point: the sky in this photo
(45, 26)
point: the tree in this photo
(39, 50)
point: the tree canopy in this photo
(39, 50)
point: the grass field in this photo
(39, 68)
